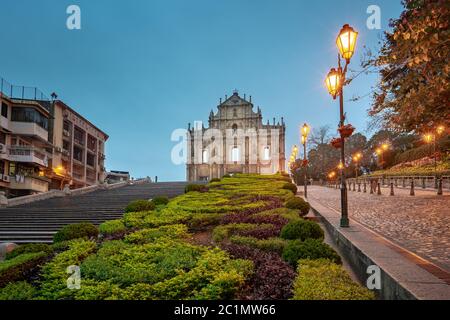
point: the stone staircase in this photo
(39, 221)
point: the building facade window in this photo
(266, 154)
(92, 143)
(90, 159)
(235, 154)
(21, 114)
(78, 153)
(205, 156)
(2, 167)
(4, 110)
(234, 128)
(2, 138)
(78, 136)
(66, 145)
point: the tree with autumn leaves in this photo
(414, 93)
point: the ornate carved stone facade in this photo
(236, 141)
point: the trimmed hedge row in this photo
(324, 280)
(298, 204)
(18, 291)
(112, 227)
(302, 230)
(75, 231)
(309, 249)
(140, 205)
(19, 267)
(29, 248)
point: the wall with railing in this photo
(63, 193)
(21, 92)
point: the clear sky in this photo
(139, 69)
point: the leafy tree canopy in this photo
(413, 92)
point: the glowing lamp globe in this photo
(346, 42)
(333, 82)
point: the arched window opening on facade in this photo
(234, 127)
(205, 158)
(266, 154)
(235, 155)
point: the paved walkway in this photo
(418, 223)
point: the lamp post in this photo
(335, 81)
(305, 132)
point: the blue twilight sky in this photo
(139, 69)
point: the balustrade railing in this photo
(374, 184)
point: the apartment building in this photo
(79, 149)
(45, 144)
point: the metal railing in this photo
(374, 184)
(21, 92)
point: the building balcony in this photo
(28, 183)
(28, 129)
(27, 154)
(4, 123)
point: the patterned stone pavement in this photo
(418, 223)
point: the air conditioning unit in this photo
(66, 133)
(58, 149)
(6, 178)
(65, 152)
(2, 148)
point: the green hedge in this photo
(271, 244)
(75, 231)
(161, 200)
(195, 188)
(29, 248)
(324, 280)
(140, 205)
(203, 220)
(18, 267)
(18, 291)
(302, 230)
(112, 227)
(223, 232)
(298, 204)
(149, 235)
(309, 249)
(53, 284)
(290, 186)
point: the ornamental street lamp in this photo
(305, 131)
(295, 150)
(335, 82)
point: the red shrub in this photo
(272, 279)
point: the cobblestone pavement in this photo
(418, 223)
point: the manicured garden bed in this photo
(239, 237)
